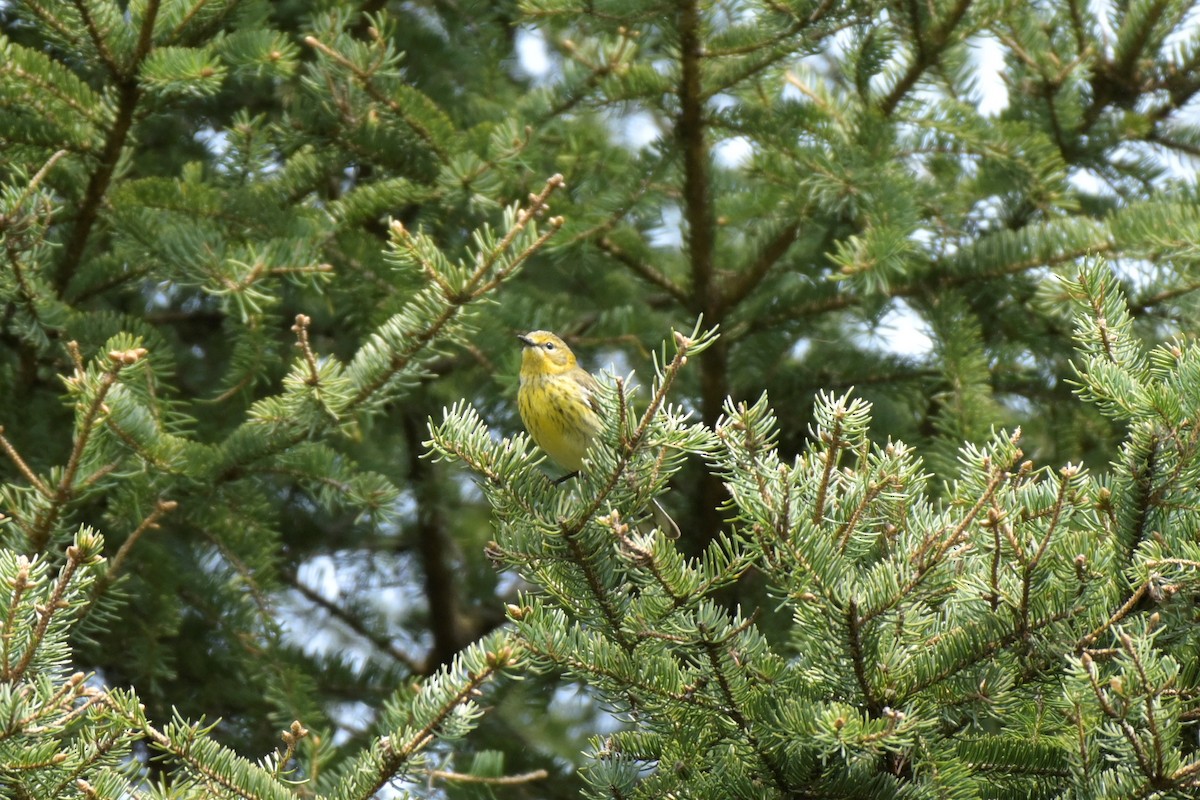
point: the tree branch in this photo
(129, 94)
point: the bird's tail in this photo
(663, 520)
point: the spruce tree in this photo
(272, 528)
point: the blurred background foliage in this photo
(869, 194)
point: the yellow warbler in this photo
(558, 405)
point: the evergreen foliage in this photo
(261, 264)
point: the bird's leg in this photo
(566, 477)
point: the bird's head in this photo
(545, 354)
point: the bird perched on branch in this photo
(558, 405)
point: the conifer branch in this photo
(477, 284)
(733, 710)
(32, 185)
(254, 588)
(931, 283)
(1106, 336)
(1186, 775)
(833, 451)
(996, 523)
(302, 343)
(134, 446)
(1123, 70)
(393, 755)
(1144, 304)
(1149, 703)
(846, 530)
(186, 752)
(1082, 733)
(1117, 616)
(75, 556)
(858, 658)
(366, 80)
(931, 552)
(160, 510)
(634, 684)
(97, 38)
(54, 21)
(128, 97)
(1141, 475)
(988, 649)
(355, 623)
(61, 709)
(929, 45)
(1067, 473)
(64, 492)
(740, 284)
(486, 780)
(1079, 19)
(39, 486)
(1118, 718)
(641, 268)
(643, 556)
(697, 197)
(573, 95)
(584, 562)
(598, 235)
(18, 585)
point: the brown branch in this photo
(23, 467)
(393, 755)
(854, 625)
(933, 282)
(474, 287)
(929, 47)
(697, 195)
(745, 281)
(1126, 608)
(435, 548)
(642, 268)
(64, 492)
(129, 94)
(38, 177)
(713, 653)
(300, 328)
(354, 623)
(18, 585)
(161, 509)
(498, 780)
(97, 37)
(831, 456)
(53, 605)
(848, 528)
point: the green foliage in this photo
(969, 644)
(68, 737)
(259, 260)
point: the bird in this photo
(558, 403)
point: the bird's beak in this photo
(524, 340)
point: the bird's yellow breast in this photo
(557, 412)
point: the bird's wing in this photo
(588, 381)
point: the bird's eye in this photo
(549, 345)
